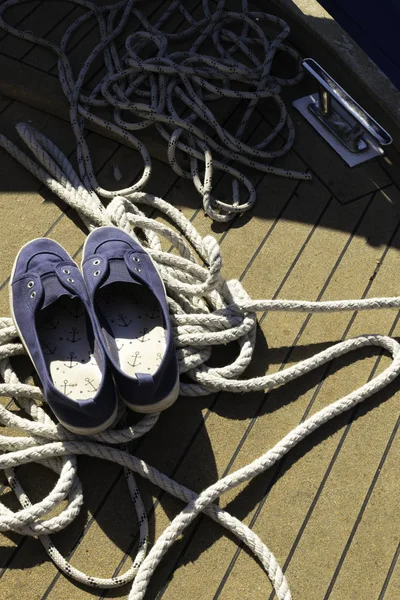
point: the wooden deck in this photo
(329, 511)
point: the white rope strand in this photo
(206, 310)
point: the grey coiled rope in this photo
(173, 92)
(206, 310)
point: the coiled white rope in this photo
(174, 89)
(206, 311)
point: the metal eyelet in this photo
(136, 259)
(70, 280)
(96, 262)
(33, 294)
(96, 273)
(66, 271)
(31, 284)
(138, 270)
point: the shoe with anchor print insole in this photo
(129, 300)
(50, 308)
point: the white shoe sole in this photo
(163, 404)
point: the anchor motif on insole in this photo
(135, 359)
(77, 312)
(159, 359)
(119, 348)
(48, 324)
(122, 320)
(65, 385)
(155, 313)
(90, 382)
(71, 360)
(73, 333)
(49, 349)
(143, 337)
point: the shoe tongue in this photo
(117, 272)
(53, 290)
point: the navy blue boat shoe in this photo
(129, 299)
(50, 308)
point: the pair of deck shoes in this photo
(93, 331)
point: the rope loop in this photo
(172, 90)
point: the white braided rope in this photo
(206, 311)
(173, 91)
